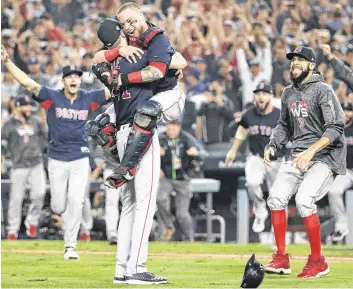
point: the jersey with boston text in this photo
(259, 128)
(66, 121)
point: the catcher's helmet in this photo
(108, 32)
(254, 274)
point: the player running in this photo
(258, 122)
(68, 164)
(312, 117)
(342, 182)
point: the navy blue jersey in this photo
(132, 96)
(160, 50)
(66, 121)
(259, 128)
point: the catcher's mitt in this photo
(103, 72)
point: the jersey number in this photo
(125, 95)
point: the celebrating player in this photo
(342, 182)
(68, 166)
(258, 121)
(312, 117)
(168, 100)
(20, 137)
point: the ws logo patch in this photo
(300, 111)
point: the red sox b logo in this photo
(299, 110)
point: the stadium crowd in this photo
(231, 46)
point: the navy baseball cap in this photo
(71, 69)
(303, 52)
(22, 101)
(108, 31)
(264, 86)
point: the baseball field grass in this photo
(40, 264)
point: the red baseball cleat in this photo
(31, 230)
(280, 264)
(314, 268)
(85, 236)
(11, 236)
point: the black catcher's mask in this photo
(254, 274)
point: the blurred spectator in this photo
(214, 115)
(177, 154)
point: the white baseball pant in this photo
(87, 218)
(35, 177)
(172, 102)
(68, 186)
(138, 208)
(335, 195)
(255, 174)
(111, 207)
(309, 187)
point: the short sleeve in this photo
(97, 98)
(244, 121)
(160, 50)
(46, 97)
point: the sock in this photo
(279, 222)
(312, 225)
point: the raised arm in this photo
(18, 74)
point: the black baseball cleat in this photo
(119, 280)
(145, 278)
(339, 236)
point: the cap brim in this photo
(78, 72)
(263, 90)
(290, 56)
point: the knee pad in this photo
(148, 115)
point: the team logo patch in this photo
(298, 50)
(300, 110)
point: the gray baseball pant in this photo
(255, 174)
(309, 187)
(35, 178)
(335, 195)
(68, 186)
(111, 207)
(182, 204)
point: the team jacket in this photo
(308, 113)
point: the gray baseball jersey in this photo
(308, 113)
(21, 141)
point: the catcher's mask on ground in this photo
(253, 275)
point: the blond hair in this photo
(128, 5)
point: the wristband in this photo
(111, 54)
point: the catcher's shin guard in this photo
(138, 143)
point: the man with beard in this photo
(342, 183)
(258, 121)
(20, 138)
(68, 164)
(312, 118)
